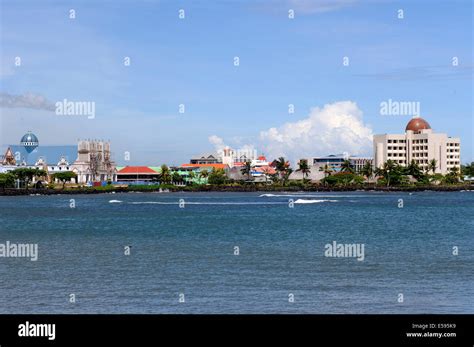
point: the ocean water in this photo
(190, 251)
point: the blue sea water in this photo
(190, 251)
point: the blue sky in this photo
(190, 61)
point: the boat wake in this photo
(313, 201)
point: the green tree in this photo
(282, 166)
(303, 167)
(453, 175)
(217, 177)
(191, 176)
(468, 169)
(176, 177)
(327, 171)
(367, 170)
(388, 169)
(432, 165)
(346, 166)
(64, 176)
(27, 174)
(7, 180)
(165, 174)
(204, 174)
(414, 170)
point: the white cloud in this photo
(28, 100)
(217, 142)
(336, 128)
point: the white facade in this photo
(94, 162)
(421, 144)
(230, 156)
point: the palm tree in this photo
(452, 176)
(191, 176)
(346, 166)
(176, 177)
(454, 171)
(367, 170)
(414, 169)
(165, 175)
(327, 170)
(204, 174)
(388, 166)
(281, 166)
(304, 168)
(432, 165)
(247, 169)
(286, 174)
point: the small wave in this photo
(304, 201)
(114, 201)
(206, 203)
(313, 196)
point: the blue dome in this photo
(29, 141)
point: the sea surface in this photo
(187, 252)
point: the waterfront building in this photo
(334, 162)
(261, 170)
(208, 167)
(89, 160)
(30, 154)
(137, 174)
(94, 162)
(226, 156)
(421, 144)
(206, 159)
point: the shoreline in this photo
(230, 189)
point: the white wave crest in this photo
(313, 201)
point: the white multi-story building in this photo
(233, 157)
(421, 144)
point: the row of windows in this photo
(453, 150)
(420, 148)
(52, 168)
(424, 154)
(396, 141)
(453, 144)
(420, 141)
(400, 148)
(452, 156)
(454, 162)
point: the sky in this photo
(306, 86)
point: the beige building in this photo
(94, 162)
(419, 143)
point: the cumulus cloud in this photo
(335, 128)
(219, 145)
(217, 142)
(28, 100)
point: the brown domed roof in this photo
(417, 124)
